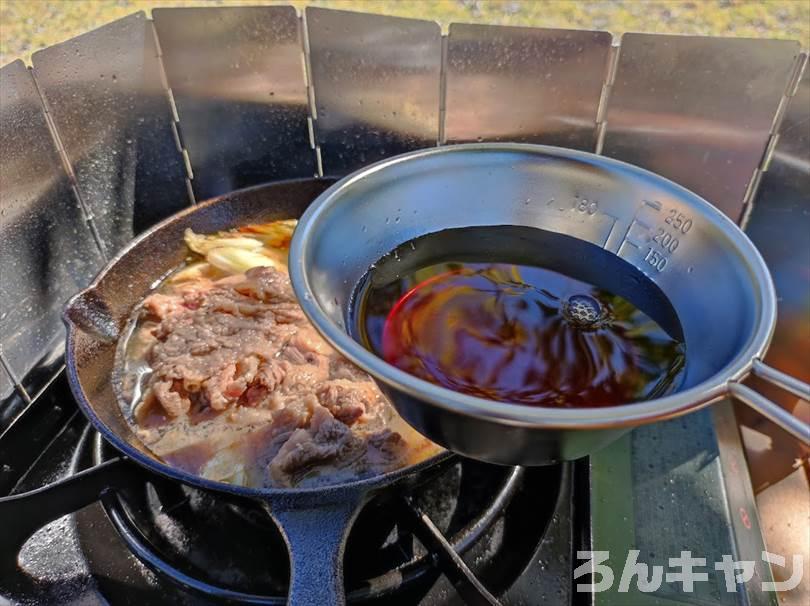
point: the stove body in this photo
(109, 132)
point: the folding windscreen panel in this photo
(237, 78)
(47, 248)
(698, 110)
(106, 96)
(780, 227)
(524, 84)
(376, 85)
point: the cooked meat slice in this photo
(308, 342)
(288, 313)
(161, 306)
(294, 414)
(307, 376)
(246, 369)
(217, 348)
(167, 393)
(236, 306)
(271, 373)
(231, 350)
(341, 368)
(149, 412)
(293, 355)
(326, 439)
(348, 400)
(267, 285)
(386, 449)
(268, 376)
(187, 296)
(216, 388)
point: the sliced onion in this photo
(238, 260)
(194, 271)
(275, 234)
(204, 244)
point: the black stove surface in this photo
(155, 541)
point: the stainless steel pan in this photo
(592, 209)
(314, 521)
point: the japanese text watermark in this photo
(685, 569)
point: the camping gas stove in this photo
(114, 130)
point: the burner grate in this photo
(229, 549)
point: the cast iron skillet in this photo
(314, 521)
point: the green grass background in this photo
(28, 25)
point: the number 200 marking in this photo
(666, 240)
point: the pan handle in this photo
(796, 427)
(25, 513)
(88, 311)
(316, 539)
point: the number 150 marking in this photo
(657, 260)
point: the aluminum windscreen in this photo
(153, 114)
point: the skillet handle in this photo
(796, 427)
(25, 513)
(316, 539)
(89, 312)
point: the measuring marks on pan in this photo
(651, 241)
(654, 236)
(577, 216)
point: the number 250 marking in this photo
(679, 221)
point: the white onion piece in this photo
(239, 260)
(204, 244)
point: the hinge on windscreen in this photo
(312, 119)
(773, 139)
(175, 122)
(68, 168)
(604, 99)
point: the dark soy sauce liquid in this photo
(477, 310)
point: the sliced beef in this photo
(325, 440)
(387, 449)
(348, 400)
(171, 397)
(187, 296)
(341, 368)
(239, 351)
(162, 306)
(236, 346)
(218, 349)
(306, 376)
(267, 285)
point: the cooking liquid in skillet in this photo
(499, 326)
